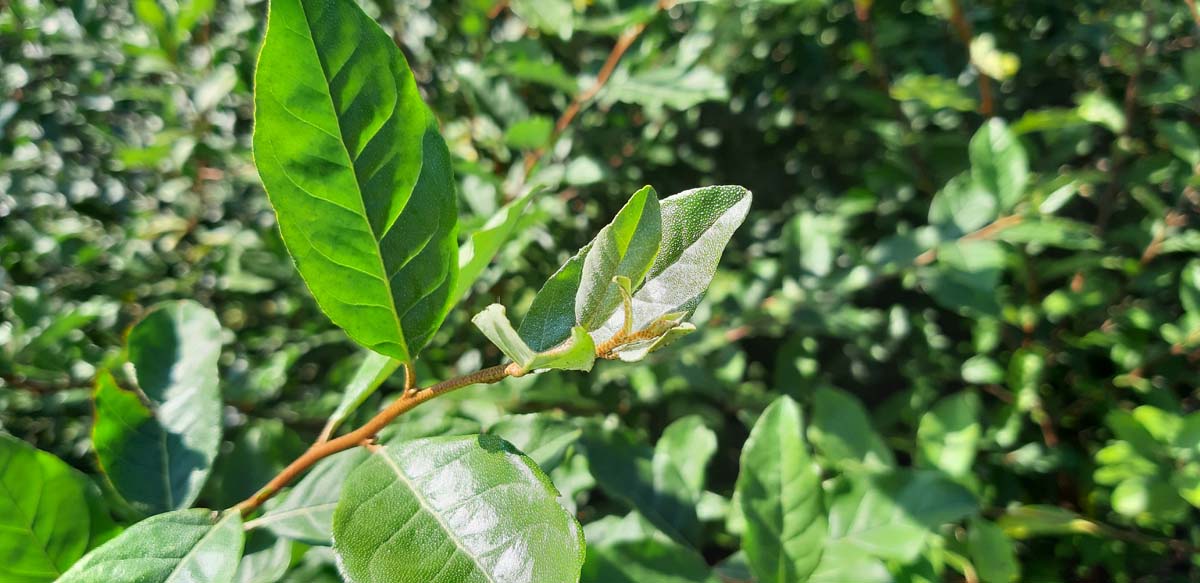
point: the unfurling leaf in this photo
(576, 353)
(358, 174)
(662, 255)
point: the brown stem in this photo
(1195, 12)
(365, 434)
(987, 232)
(577, 104)
(1117, 164)
(962, 27)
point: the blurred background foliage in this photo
(973, 220)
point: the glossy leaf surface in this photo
(157, 447)
(357, 172)
(454, 510)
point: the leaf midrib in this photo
(358, 187)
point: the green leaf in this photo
(529, 133)
(630, 550)
(374, 369)
(627, 471)
(685, 448)
(892, 515)
(992, 552)
(157, 445)
(266, 558)
(999, 163)
(359, 177)
(967, 276)
(552, 16)
(306, 513)
(962, 206)
(842, 562)
(454, 509)
(1030, 520)
(841, 430)
(948, 435)
(543, 437)
(185, 545)
(483, 245)
(779, 491)
(666, 87)
(577, 353)
(626, 247)
(50, 514)
(696, 226)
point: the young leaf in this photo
(999, 163)
(185, 545)
(779, 492)
(357, 172)
(696, 226)
(445, 510)
(576, 353)
(477, 252)
(157, 447)
(50, 514)
(624, 248)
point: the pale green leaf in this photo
(357, 172)
(992, 552)
(999, 163)
(841, 430)
(156, 445)
(184, 546)
(544, 437)
(685, 448)
(577, 353)
(374, 369)
(481, 247)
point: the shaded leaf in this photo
(841, 430)
(948, 435)
(157, 447)
(481, 247)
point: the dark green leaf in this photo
(992, 552)
(358, 174)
